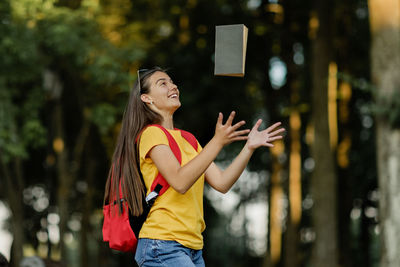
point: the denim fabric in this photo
(153, 252)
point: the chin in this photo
(176, 106)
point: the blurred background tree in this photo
(65, 74)
(385, 35)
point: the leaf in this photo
(104, 116)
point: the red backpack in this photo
(121, 230)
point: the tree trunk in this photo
(323, 184)
(388, 143)
(385, 66)
(291, 244)
(69, 161)
(275, 208)
(14, 184)
(67, 170)
(87, 211)
(63, 173)
(345, 180)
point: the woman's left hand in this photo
(264, 138)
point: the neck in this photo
(168, 122)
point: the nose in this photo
(173, 86)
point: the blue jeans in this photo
(153, 252)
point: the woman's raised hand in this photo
(227, 133)
(264, 138)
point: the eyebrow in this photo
(162, 79)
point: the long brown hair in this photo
(125, 160)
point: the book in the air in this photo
(230, 50)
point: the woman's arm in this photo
(222, 181)
(181, 178)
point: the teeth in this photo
(174, 95)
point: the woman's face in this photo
(163, 93)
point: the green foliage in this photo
(38, 36)
(20, 88)
(104, 116)
(10, 143)
(21, 61)
(20, 99)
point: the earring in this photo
(151, 102)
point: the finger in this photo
(257, 125)
(238, 133)
(270, 128)
(238, 125)
(240, 138)
(230, 119)
(268, 145)
(220, 117)
(271, 139)
(277, 132)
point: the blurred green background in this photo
(328, 70)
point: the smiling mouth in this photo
(173, 96)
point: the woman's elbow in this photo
(222, 189)
(181, 189)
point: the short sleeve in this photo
(199, 147)
(151, 137)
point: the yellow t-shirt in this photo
(174, 216)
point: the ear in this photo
(146, 98)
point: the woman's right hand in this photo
(227, 133)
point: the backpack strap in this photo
(121, 198)
(190, 138)
(160, 180)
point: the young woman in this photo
(172, 232)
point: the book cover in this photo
(230, 50)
